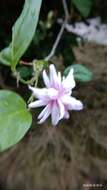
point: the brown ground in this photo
(74, 153)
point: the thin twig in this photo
(56, 42)
(26, 63)
(65, 9)
(51, 54)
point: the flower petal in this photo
(46, 79)
(59, 77)
(52, 93)
(61, 109)
(66, 116)
(37, 103)
(75, 104)
(66, 99)
(53, 76)
(40, 93)
(69, 82)
(71, 103)
(55, 114)
(44, 114)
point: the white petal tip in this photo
(66, 116)
(55, 123)
(31, 105)
(79, 106)
(52, 66)
(30, 87)
(39, 123)
(71, 71)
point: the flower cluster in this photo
(56, 97)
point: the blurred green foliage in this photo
(84, 6)
(81, 73)
(48, 27)
(15, 119)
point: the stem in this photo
(31, 81)
(65, 9)
(31, 99)
(51, 54)
(25, 63)
(56, 42)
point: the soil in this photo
(73, 154)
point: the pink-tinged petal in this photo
(55, 114)
(61, 109)
(37, 103)
(44, 111)
(75, 104)
(44, 114)
(53, 75)
(52, 93)
(66, 116)
(69, 82)
(66, 99)
(46, 79)
(40, 93)
(71, 103)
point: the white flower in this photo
(56, 97)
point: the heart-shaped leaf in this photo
(84, 6)
(15, 119)
(81, 73)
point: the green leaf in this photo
(81, 73)
(15, 119)
(22, 33)
(5, 56)
(84, 6)
(25, 72)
